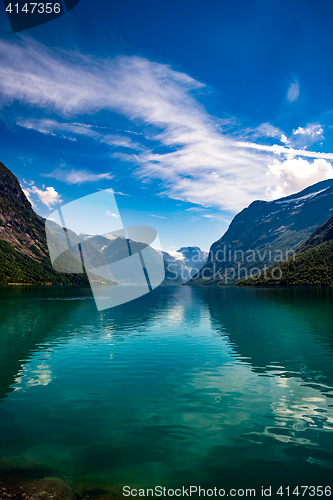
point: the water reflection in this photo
(31, 317)
(287, 332)
(182, 386)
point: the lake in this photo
(215, 387)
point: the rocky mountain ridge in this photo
(24, 256)
(266, 233)
(19, 225)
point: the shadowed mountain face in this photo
(19, 225)
(311, 265)
(24, 256)
(324, 234)
(266, 233)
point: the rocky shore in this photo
(47, 489)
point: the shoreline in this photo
(48, 488)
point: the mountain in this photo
(111, 249)
(24, 256)
(186, 261)
(24, 252)
(19, 225)
(266, 233)
(312, 263)
(324, 234)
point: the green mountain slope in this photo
(311, 265)
(17, 267)
(24, 255)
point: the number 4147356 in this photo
(41, 8)
(311, 491)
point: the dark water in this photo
(227, 388)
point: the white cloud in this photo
(72, 176)
(282, 150)
(47, 126)
(75, 83)
(266, 130)
(293, 91)
(199, 161)
(295, 174)
(121, 194)
(311, 130)
(304, 137)
(27, 194)
(49, 197)
(215, 217)
(301, 137)
(117, 140)
(62, 129)
(195, 209)
(112, 214)
(114, 192)
(158, 216)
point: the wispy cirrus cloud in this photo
(215, 217)
(53, 127)
(282, 150)
(121, 194)
(189, 155)
(195, 209)
(293, 91)
(73, 176)
(268, 130)
(73, 83)
(114, 192)
(158, 216)
(71, 130)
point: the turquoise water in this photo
(227, 388)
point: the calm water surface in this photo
(227, 387)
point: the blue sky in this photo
(188, 110)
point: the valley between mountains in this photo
(288, 241)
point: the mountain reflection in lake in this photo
(227, 387)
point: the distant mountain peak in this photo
(313, 189)
(186, 261)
